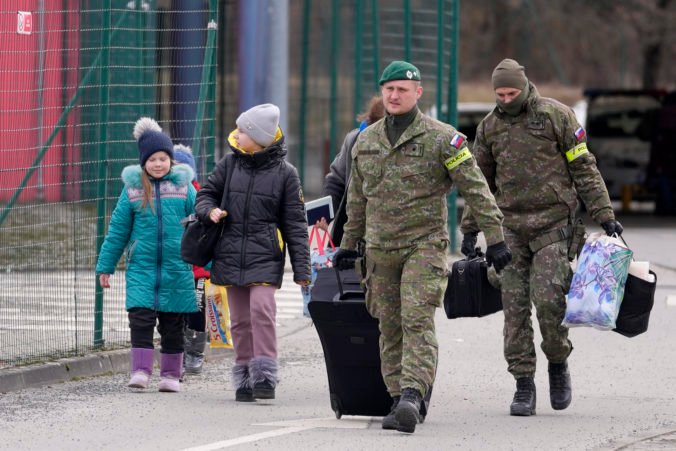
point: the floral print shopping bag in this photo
(597, 288)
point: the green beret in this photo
(399, 70)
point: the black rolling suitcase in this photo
(468, 293)
(349, 337)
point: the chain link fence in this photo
(76, 75)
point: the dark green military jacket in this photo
(397, 194)
(537, 164)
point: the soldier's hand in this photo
(469, 244)
(612, 227)
(344, 258)
(498, 255)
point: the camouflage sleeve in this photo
(485, 161)
(353, 231)
(582, 168)
(466, 175)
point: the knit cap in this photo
(151, 139)
(509, 74)
(399, 70)
(260, 123)
(183, 155)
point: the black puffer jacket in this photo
(264, 196)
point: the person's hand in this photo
(322, 224)
(498, 255)
(612, 227)
(302, 283)
(217, 214)
(104, 280)
(344, 258)
(469, 244)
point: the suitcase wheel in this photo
(336, 406)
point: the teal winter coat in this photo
(157, 278)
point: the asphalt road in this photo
(623, 394)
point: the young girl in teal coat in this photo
(157, 195)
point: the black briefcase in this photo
(469, 293)
(638, 301)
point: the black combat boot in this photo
(560, 391)
(523, 404)
(390, 421)
(407, 413)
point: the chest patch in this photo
(413, 150)
(536, 123)
(369, 152)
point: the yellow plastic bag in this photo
(218, 315)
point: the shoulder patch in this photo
(457, 141)
(580, 134)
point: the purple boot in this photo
(170, 372)
(141, 367)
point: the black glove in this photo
(498, 255)
(468, 244)
(611, 227)
(344, 258)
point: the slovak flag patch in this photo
(580, 134)
(457, 141)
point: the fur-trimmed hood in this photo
(179, 175)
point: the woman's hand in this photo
(104, 280)
(302, 283)
(217, 214)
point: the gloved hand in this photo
(344, 258)
(469, 244)
(498, 255)
(611, 227)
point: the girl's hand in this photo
(302, 283)
(104, 280)
(322, 224)
(217, 214)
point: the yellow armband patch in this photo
(455, 160)
(576, 151)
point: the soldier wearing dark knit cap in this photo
(534, 155)
(402, 167)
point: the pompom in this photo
(145, 124)
(182, 148)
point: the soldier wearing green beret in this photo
(402, 168)
(534, 155)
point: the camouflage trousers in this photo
(404, 288)
(542, 280)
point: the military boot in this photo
(523, 404)
(390, 421)
(407, 412)
(560, 391)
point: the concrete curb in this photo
(74, 368)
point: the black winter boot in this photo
(263, 372)
(523, 404)
(407, 413)
(242, 383)
(390, 421)
(193, 357)
(560, 391)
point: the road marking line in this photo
(248, 438)
(671, 300)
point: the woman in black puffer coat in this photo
(264, 214)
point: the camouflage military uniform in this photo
(397, 204)
(537, 163)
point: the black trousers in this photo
(142, 323)
(196, 320)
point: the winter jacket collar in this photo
(179, 175)
(263, 158)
